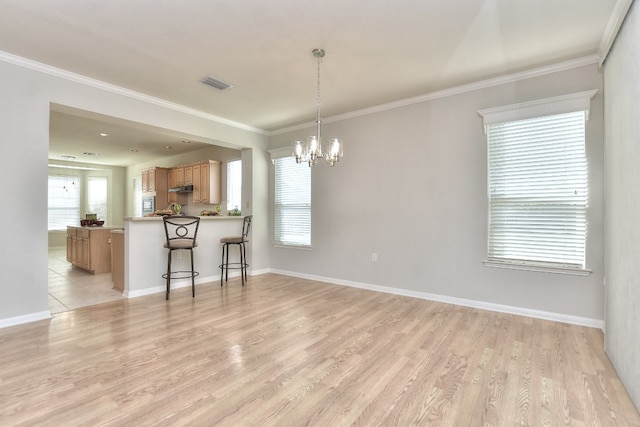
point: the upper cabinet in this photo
(204, 177)
(154, 183)
(149, 180)
(179, 176)
(206, 182)
(188, 175)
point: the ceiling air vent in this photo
(217, 83)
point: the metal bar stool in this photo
(240, 241)
(181, 232)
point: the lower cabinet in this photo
(117, 260)
(89, 249)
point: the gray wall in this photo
(412, 188)
(622, 153)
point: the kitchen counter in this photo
(94, 227)
(204, 218)
(145, 258)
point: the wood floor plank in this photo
(283, 351)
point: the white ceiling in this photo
(378, 51)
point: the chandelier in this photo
(73, 180)
(311, 151)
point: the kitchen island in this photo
(146, 257)
(89, 248)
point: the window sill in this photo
(537, 267)
(285, 246)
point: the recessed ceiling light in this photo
(186, 141)
(167, 147)
(134, 150)
(103, 134)
(87, 153)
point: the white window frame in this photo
(495, 118)
(298, 235)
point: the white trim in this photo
(177, 284)
(27, 318)
(620, 10)
(457, 90)
(580, 101)
(87, 81)
(539, 268)
(291, 246)
(507, 309)
(279, 153)
(537, 314)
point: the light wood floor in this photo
(291, 352)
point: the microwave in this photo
(148, 205)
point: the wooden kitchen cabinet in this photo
(176, 179)
(154, 183)
(188, 175)
(71, 247)
(89, 248)
(179, 171)
(148, 181)
(206, 182)
(172, 181)
(117, 259)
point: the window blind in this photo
(137, 196)
(97, 196)
(292, 203)
(234, 185)
(538, 190)
(63, 201)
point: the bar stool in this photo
(240, 241)
(181, 232)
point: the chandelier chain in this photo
(318, 94)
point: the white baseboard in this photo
(520, 311)
(176, 284)
(19, 320)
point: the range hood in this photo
(182, 189)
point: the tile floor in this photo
(71, 288)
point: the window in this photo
(234, 185)
(537, 184)
(292, 203)
(137, 196)
(97, 196)
(64, 201)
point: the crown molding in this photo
(616, 20)
(118, 90)
(456, 90)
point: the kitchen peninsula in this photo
(146, 258)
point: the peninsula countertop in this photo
(202, 217)
(146, 256)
